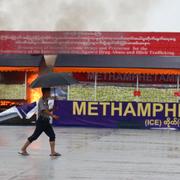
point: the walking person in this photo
(43, 124)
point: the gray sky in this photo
(95, 15)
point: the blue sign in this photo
(115, 114)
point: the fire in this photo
(7, 103)
(33, 94)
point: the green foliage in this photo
(12, 91)
(115, 93)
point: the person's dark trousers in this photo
(42, 125)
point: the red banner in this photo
(117, 43)
(126, 78)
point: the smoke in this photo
(104, 15)
(4, 17)
(90, 15)
(165, 17)
(95, 15)
(81, 15)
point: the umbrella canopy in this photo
(53, 79)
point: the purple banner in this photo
(117, 114)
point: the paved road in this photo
(88, 153)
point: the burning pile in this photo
(32, 94)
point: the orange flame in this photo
(7, 103)
(33, 94)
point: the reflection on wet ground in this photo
(89, 153)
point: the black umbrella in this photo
(53, 79)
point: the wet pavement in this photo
(89, 153)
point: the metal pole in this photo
(95, 86)
(25, 83)
(178, 83)
(137, 83)
(137, 86)
(177, 86)
(54, 89)
(68, 92)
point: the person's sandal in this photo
(23, 153)
(55, 154)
